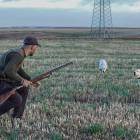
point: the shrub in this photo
(121, 133)
(56, 137)
(96, 128)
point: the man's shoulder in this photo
(20, 51)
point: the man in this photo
(12, 74)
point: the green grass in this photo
(122, 134)
(78, 96)
(96, 128)
(56, 137)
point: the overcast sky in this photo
(65, 13)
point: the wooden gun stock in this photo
(5, 96)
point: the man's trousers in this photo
(16, 101)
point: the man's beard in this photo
(31, 54)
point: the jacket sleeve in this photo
(10, 68)
(23, 74)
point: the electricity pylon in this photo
(102, 26)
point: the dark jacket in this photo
(10, 64)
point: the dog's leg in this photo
(138, 81)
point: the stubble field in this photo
(62, 33)
(78, 102)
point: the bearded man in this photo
(12, 74)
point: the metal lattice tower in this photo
(101, 26)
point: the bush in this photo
(96, 128)
(56, 137)
(121, 133)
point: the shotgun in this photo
(5, 96)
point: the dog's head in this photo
(103, 70)
(137, 73)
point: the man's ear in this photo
(32, 47)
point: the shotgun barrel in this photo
(5, 96)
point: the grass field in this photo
(78, 102)
(47, 33)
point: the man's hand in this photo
(37, 85)
(26, 83)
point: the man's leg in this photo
(12, 101)
(18, 110)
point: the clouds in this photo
(29, 0)
(39, 3)
(125, 19)
(64, 13)
(116, 5)
(10, 0)
(60, 17)
(82, 2)
(127, 2)
(56, 0)
(86, 2)
(44, 17)
(119, 2)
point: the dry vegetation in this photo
(53, 33)
(44, 33)
(78, 102)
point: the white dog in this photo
(137, 75)
(103, 65)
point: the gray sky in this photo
(65, 13)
